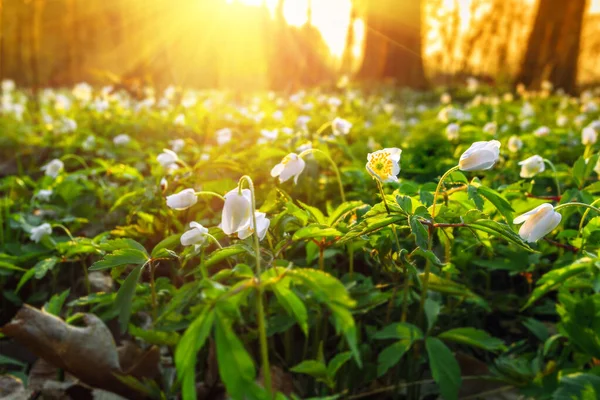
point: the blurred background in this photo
(290, 44)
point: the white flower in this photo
(179, 120)
(194, 236)
(547, 85)
(182, 200)
(89, 143)
(167, 158)
(277, 115)
(53, 168)
(83, 92)
(562, 120)
(532, 166)
(223, 136)
(445, 98)
(538, 222)
(302, 121)
(164, 184)
(452, 131)
(237, 211)
(8, 85)
(67, 125)
(303, 147)
(542, 131)
(291, 166)
(514, 144)
(38, 232)
(262, 224)
(269, 135)
(334, 102)
(341, 126)
(383, 165)
(122, 139)
(589, 136)
(490, 128)
(44, 194)
(472, 84)
(177, 144)
(480, 156)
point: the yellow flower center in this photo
(381, 164)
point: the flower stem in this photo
(333, 165)
(576, 204)
(553, 168)
(588, 150)
(405, 268)
(260, 312)
(439, 186)
(585, 215)
(208, 193)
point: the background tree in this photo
(553, 47)
(393, 46)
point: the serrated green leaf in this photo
(120, 257)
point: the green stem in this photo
(321, 258)
(588, 150)
(333, 165)
(260, 312)
(405, 269)
(153, 292)
(208, 193)
(584, 217)
(214, 239)
(439, 186)
(553, 168)
(576, 204)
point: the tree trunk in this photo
(553, 47)
(393, 43)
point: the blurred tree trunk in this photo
(393, 43)
(348, 57)
(553, 47)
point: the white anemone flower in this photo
(38, 232)
(589, 136)
(532, 166)
(223, 136)
(194, 236)
(262, 225)
(452, 131)
(237, 211)
(44, 194)
(514, 144)
(182, 200)
(341, 126)
(177, 144)
(490, 128)
(167, 158)
(292, 165)
(480, 156)
(542, 131)
(53, 168)
(538, 222)
(121, 140)
(383, 165)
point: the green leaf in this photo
(166, 244)
(120, 257)
(580, 385)
(187, 349)
(4, 360)
(391, 356)
(55, 304)
(124, 299)
(316, 214)
(43, 266)
(473, 337)
(236, 367)
(501, 204)
(337, 362)
(475, 197)
(314, 368)
(499, 230)
(432, 310)
(555, 278)
(370, 225)
(421, 235)
(405, 203)
(120, 244)
(10, 266)
(446, 286)
(222, 254)
(292, 304)
(444, 368)
(344, 209)
(159, 338)
(400, 330)
(315, 231)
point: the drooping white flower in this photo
(182, 200)
(480, 156)
(38, 232)
(177, 145)
(452, 131)
(341, 126)
(194, 236)
(237, 211)
(167, 158)
(291, 166)
(53, 168)
(44, 194)
(589, 136)
(542, 131)
(538, 222)
(223, 136)
(383, 165)
(122, 139)
(532, 166)
(514, 144)
(262, 225)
